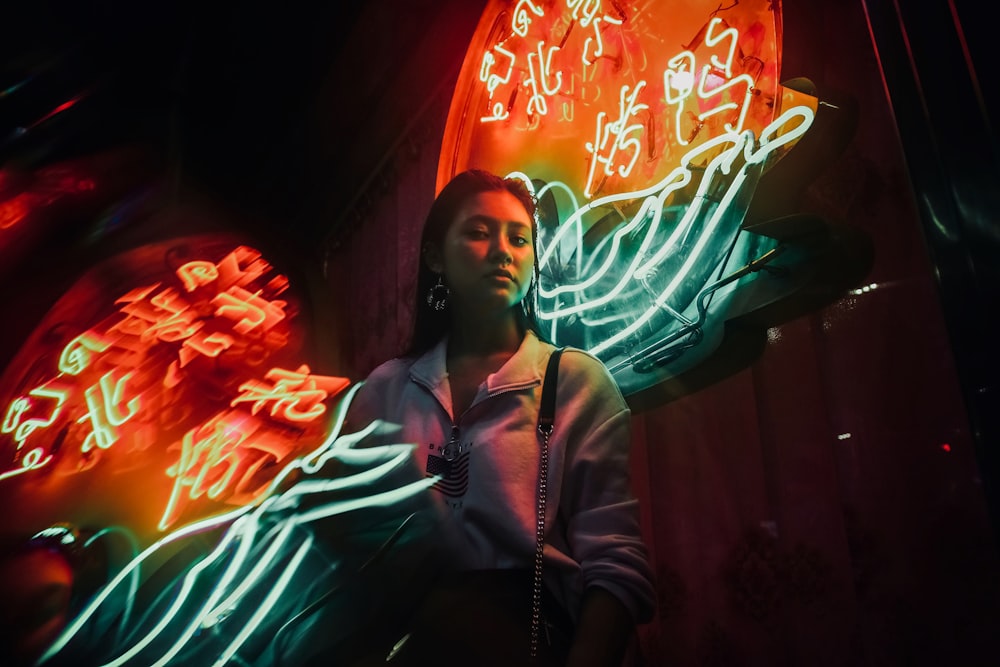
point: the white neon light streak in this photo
(788, 127)
(614, 133)
(722, 162)
(493, 81)
(199, 622)
(539, 73)
(216, 612)
(587, 8)
(486, 75)
(499, 113)
(654, 196)
(77, 354)
(133, 579)
(131, 570)
(545, 61)
(22, 430)
(182, 595)
(521, 20)
(33, 460)
(234, 582)
(265, 608)
(678, 84)
(711, 40)
(596, 41)
(753, 157)
(103, 401)
(706, 93)
(197, 273)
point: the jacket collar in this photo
(524, 369)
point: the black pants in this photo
(475, 618)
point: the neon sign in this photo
(643, 130)
(188, 384)
(295, 396)
(172, 407)
(605, 286)
(240, 593)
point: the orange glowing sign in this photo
(607, 97)
(643, 129)
(183, 387)
(294, 395)
(220, 459)
(107, 409)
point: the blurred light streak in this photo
(646, 259)
(234, 583)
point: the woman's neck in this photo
(480, 337)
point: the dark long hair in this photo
(430, 325)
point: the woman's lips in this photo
(500, 273)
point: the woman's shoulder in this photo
(581, 371)
(573, 359)
(582, 358)
(576, 360)
(389, 371)
(383, 382)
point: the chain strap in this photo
(546, 420)
(536, 589)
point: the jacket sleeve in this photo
(600, 510)
(369, 402)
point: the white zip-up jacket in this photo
(488, 462)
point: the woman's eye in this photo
(520, 241)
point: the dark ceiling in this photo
(283, 109)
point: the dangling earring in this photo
(437, 297)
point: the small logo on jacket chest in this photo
(449, 462)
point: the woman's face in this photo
(487, 256)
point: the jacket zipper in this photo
(453, 449)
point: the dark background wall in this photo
(829, 505)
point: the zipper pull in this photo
(452, 450)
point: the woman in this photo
(467, 393)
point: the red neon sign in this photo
(183, 386)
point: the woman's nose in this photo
(501, 251)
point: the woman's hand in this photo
(603, 633)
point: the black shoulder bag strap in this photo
(547, 407)
(546, 421)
